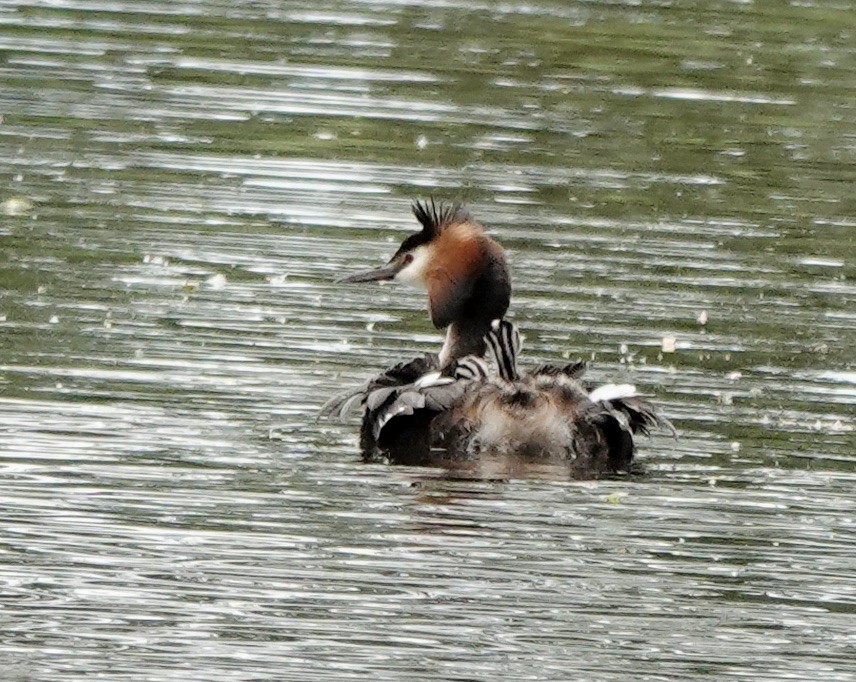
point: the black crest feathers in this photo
(435, 215)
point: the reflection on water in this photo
(184, 180)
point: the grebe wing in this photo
(402, 374)
(435, 392)
(573, 370)
(622, 403)
(402, 402)
(639, 415)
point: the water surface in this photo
(182, 181)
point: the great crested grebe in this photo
(447, 409)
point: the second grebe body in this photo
(465, 416)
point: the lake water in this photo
(183, 180)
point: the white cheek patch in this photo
(414, 272)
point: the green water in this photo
(181, 183)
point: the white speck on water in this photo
(217, 281)
(822, 262)
(16, 206)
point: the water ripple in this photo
(185, 181)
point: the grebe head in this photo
(463, 271)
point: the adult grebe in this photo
(447, 409)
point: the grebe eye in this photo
(408, 258)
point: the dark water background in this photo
(181, 181)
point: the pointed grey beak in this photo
(378, 275)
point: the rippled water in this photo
(183, 180)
